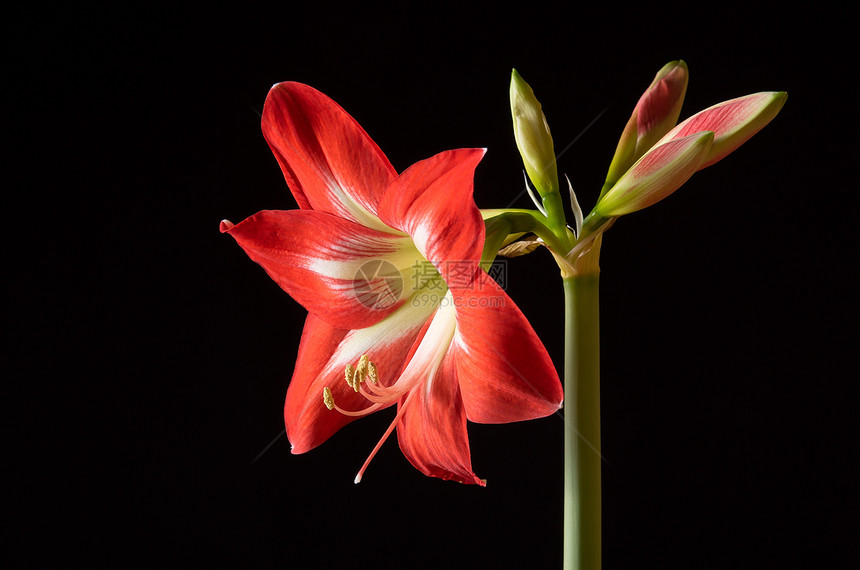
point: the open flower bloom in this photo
(387, 266)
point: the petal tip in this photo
(226, 226)
(780, 97)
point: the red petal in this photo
(329, 161)
(319, 341)
(658, 109)
(504, 370)
(432, 432)
(432, 202)
(323, 355)
(334, 268)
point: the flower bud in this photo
(533, 137)
(661, 171)
(733, 122)
(654, 115)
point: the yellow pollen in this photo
(365, 369)
(328, 399)
(361, 368)
(349, 373)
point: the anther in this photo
(372, 373)
(355, 376)
(349, 373)
(328, 399)
(361, 368)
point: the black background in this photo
(152, 356)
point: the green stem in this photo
(531, 221)
(555, 214)
(582, 457)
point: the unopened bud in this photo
(534, 140)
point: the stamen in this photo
(361, 368)
(328, 399)
(378, 392)
(379, 396)
(355, 376)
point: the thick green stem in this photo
(555, 214)
(582, 457)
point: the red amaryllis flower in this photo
(387, 265)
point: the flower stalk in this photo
(582, 489)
